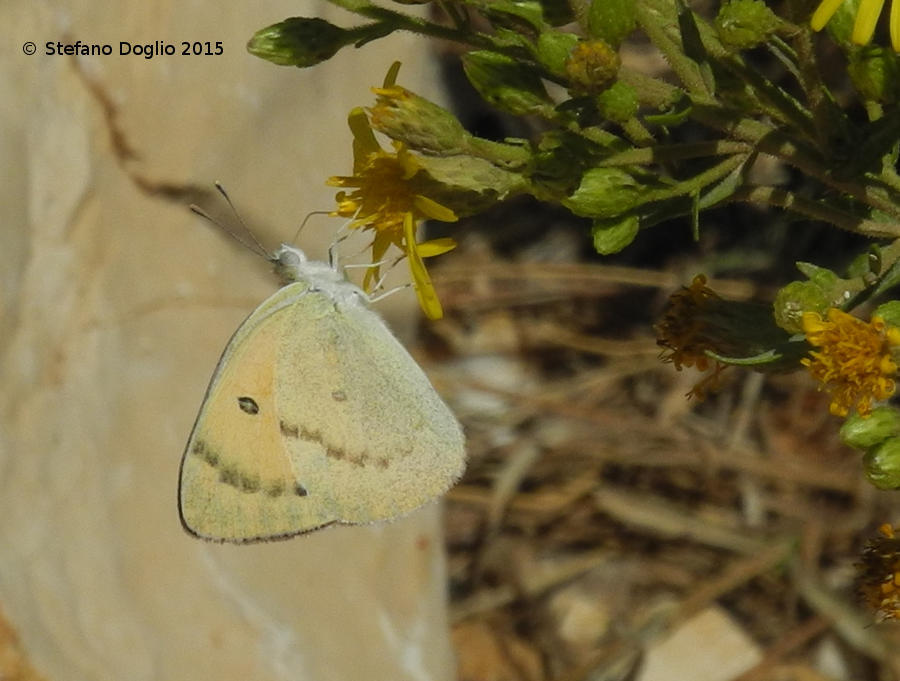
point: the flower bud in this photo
(618, 102)
(882, 464)
(862, 432)
(611, 20)
(507, 84)
(405, 116)
(299, 41)
(422, 125)
(592, 66)
(824, 289)
(743, 24)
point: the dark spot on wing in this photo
(288, 430)
(248, 405)
(249, 483)
(339, 396)
(204, 452)
(337, 453)
(275, 489)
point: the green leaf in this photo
(722, 189)
(767, 357)
(611, 236)
(525, 14)
(693, 45)
(605, 193)
(781, 355)
(890, 312)
(553, 48)
(888, 280)
(353, 5)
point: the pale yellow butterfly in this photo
(315, 415)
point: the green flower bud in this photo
(299, 41)
(611, 20)
(618, 102)
(592, 66)
(507, 84)
(745, 23)
(882, 464)
(864, 432)
(605, 193)
(795, 299)
(823, 290)
(874, 72)
(405, 116)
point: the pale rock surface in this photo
(710, 646)
(114, 307)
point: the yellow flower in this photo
(878, 581)
(854, 361)
(383, 197)
(685, 334)
(866, 18)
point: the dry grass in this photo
(602, 509)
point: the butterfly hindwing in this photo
(316, 414)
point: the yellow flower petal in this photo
(391, 76)
(853, 360)
(433, 247)
(434, 210)
(895, 25)
(866, 19)
(425, 292)
(364, 142)
(823, 13)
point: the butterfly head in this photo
(291, 264)
(288, 261)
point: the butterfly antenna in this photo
(209, 218)
(257, 246)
